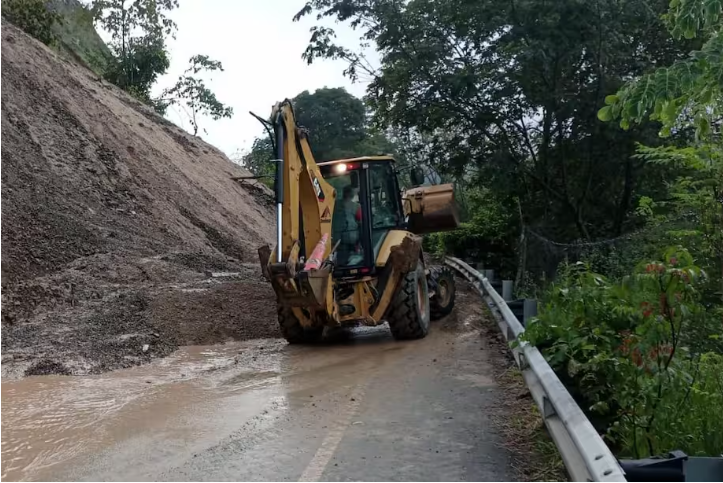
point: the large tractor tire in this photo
(441, 281)
(293, 331)
(409, 314)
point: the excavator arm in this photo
(300, 266)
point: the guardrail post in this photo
(529, 310)
(507, 290)
(489, 274)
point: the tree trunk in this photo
(624, 199)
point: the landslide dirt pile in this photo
(115, 224)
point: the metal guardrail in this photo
(585, 454)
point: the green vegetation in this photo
(690, 89)
(642, 354)
(77, 38)
(136, 55)
(33, 17)
(507, 95)
(617, 225)
(138, 29)
(192, 93)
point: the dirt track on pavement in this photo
(359, 407)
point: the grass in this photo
(535, 456)
(516, 417)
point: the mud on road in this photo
(109, 312)
(359, 407)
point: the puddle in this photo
(50, 421)
(134, 421)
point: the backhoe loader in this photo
(348, 246)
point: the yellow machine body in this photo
(314, 286)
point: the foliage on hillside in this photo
(137, 53)
(646, 353)
(643, 355)
(508, 94)
(33, 17)
(76, 36)
(138, 31)
(690, 89)
(511, 99)
(191, 93)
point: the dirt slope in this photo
(113, 220)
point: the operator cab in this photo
(368, 205)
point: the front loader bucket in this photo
(431, 209)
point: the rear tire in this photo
(409, 314)
(441, 279)
(293, 331)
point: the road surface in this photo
(361, 408)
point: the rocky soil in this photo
(123, 236)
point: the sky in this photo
(260, 49)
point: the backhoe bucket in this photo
(305, 288)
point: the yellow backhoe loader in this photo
(348, 245)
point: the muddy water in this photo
(165, 411)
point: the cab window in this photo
(347, 219)
(384, 202)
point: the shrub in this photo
(33, 17)
(634, 354)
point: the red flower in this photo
(673, 260)
(647, 309)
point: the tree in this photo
(512, 89)
(138, 29)
(690, 91)
(337, 126)
(259, 160)
(336, 121)
(192, 92)
(683, 97)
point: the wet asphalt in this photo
(362, 407)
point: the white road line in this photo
(323, 455)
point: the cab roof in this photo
(383, 157)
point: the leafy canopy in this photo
(508, 92)
(642, 355)
(138, 29)
(689, 89)
(337, 125)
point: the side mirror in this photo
(417, 176)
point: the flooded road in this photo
(363, 407)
